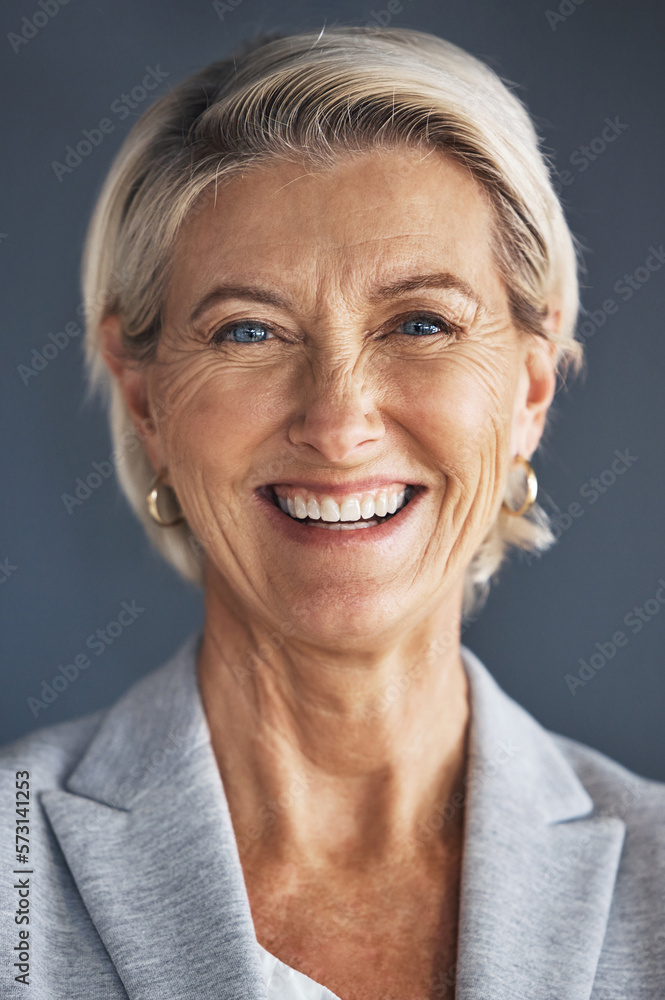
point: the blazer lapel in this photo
(146, 832)
(145, 829)
(538, 867)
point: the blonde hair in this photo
(345, 89)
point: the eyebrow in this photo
(439, 279)
(223, 292)
(393, 290)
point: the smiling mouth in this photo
(334, 517)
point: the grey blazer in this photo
(135, 887)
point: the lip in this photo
(304, 534)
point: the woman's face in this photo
(331, 335)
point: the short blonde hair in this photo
(312, 96)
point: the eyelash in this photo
(217, 336)
(448, 329)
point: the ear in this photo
(132, 380)
(535, 391)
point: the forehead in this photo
(371, 215)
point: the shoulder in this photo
(160, 711)
(50, 754)
(620, 792)
(633, 953)
(604, 777)
(38, 763)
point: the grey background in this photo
(66, 574)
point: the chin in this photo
(344, 618)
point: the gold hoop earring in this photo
(531, 489)
(152, 501)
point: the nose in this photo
(338, 415)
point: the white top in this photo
(285, 983)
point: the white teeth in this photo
(356, 510)
(300, 505)
(350, 510)
(329, 510)
(381, 504)
(367, 507)
(313, 508)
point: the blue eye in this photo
(423, 326)
(245, 332)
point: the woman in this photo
(330, 288)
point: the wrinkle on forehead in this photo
(332, 246)
(369, 220)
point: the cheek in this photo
(221, 418)
(458, 408)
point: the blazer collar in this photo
(145, 828)
(146, 831)
(539, 865)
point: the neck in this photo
(328, 753)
